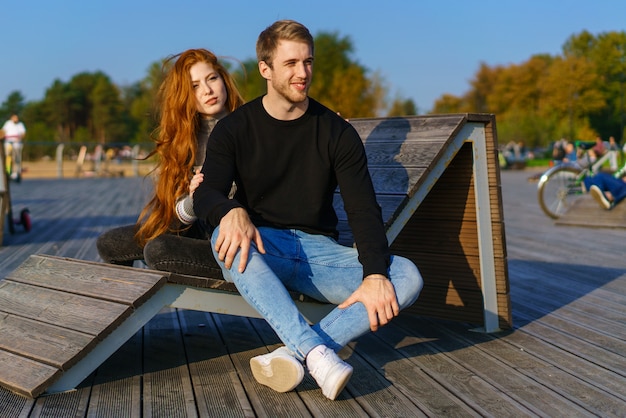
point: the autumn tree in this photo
(402, 107)
(578, 94)
(339, 81)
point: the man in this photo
(607, 189)
(287, 153)
(14, 132)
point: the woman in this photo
(195, 94)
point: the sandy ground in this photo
(69, 169)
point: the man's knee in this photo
(407, 280)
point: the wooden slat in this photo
(24, 376)
(87, 315)
(117, 387)
(95, 280)
(45, 343)
(167, 384)
(214, 376)
(585, 211)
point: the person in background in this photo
(14, 132)
(558, 151)
(614, 148)
(597, 150)
(196, 92)
(287, 154)
(607, 189)
(570, 155)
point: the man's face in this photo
(291, 72)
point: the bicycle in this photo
(6, 206)
(13, 161)
(560, 186)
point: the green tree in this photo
(249, 80)
(57, 109)
(339, 81)
(608, 53)
(14, 103)
(141, 102)
(106, 112)
(402, 107)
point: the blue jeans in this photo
(319, 267)
(606, 182)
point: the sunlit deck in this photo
(566, 355)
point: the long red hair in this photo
(176, 140)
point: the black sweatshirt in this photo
(286, 173)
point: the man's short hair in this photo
(288, 30)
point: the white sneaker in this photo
(329, 371)
(279, 370)
(599, 196)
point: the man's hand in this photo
(237, 232)
(378, 296)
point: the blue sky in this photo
(422, 49)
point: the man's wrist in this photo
(376, 277)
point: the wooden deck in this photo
(566, 355)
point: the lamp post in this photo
(622, 60)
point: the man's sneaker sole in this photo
(336, 380)
(599, 196)
(283, 373)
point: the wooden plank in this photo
(244, 343)
(213, 374)
(462, 384)
(117, 386)
(407, 376)
(56, 346)
(202, 282)
(585, 211)
(310, 393)
(440, 126)
(167, 384)
(397, 180)
(95, 280)
(72, 404)
(14, 405)
(24, 376)
(484, 355)
(87, 315)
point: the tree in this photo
(140, 102)
(57, 110)
(13, 104)
(249, 80)
(608, 53)
(339, 82)
(402, 107)
(579, 94)
(570, 92)
(106, 112)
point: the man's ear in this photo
(265, 70)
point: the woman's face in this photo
(209, 90)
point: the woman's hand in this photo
(195, 182)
